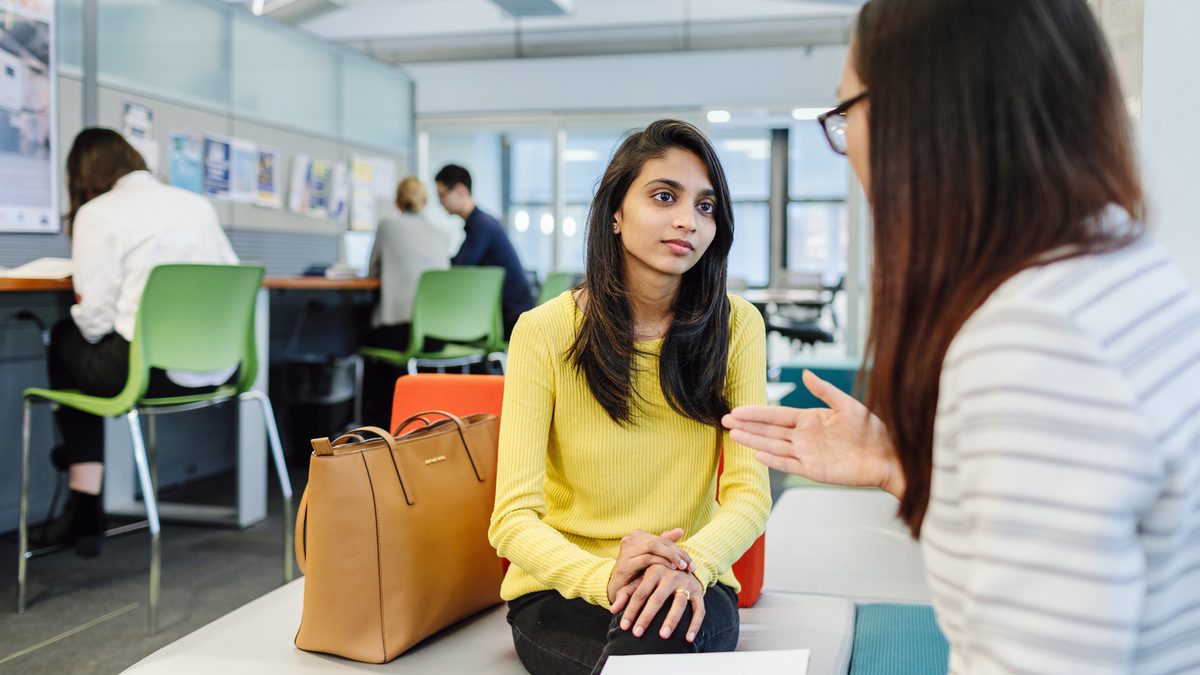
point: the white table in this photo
(257, 638)
(842, 542)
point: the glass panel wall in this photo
(140, 44)
(818, 182)
(278, 76)
(746, 156)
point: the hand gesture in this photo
(842, 445)
(643, 598)
(639, 550)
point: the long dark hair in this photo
(997, 133)
(98, 159)
(695, 350)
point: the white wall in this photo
(1170, 134)
(738, 78)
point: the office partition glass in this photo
(746, 157)
(284, 77)
(172, 47)
(585, 155)
(69, 33)
(818, 182)
(376, 104)
(529, 212)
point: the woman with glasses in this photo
(1033, 364)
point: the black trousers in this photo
(99, 369)
(554, 635)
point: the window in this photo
(746, 157)
(818, 181)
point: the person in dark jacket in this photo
(485, 242)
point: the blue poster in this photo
(216, 167)
(187, 162)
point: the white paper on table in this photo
(42, 268)
(768, 662)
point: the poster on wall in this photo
(269, 194)
(28, 124)
(243, 171)
(137, 125)
(298, 186)
(218, 158)
(339, 192)
(187, 161)
(372, 182)
(320, 183)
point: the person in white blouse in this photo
(406, 245)
(1033, 378)
(123, 222)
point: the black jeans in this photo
(99, 369)
(554, 635)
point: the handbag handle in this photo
(410, 497)
(459, 424)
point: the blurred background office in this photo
(331, 103)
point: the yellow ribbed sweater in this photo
(571, 482)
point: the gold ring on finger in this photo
(687, 595)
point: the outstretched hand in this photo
(842, 445)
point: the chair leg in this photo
(23, 537)
(150, 499)
(152, 451)
(285, 481)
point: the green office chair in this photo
(460, 306)
(556, 284)
(192, 318)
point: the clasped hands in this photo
(652, 571)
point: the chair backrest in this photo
(556, 283)
(198, 318)
(458, 305)
(458, 394)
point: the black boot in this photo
(81, 524)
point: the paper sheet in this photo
(770, 662)
(42, 268)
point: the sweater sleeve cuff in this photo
(705, 572)
(596, 589)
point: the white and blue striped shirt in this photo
(1063, 531)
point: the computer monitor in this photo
(356, 251)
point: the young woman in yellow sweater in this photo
(612, 405)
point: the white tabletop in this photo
(842, 542)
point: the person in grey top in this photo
(406, 245)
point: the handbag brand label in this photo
(435, 460)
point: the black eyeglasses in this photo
(833, 123)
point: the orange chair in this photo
(467, 394)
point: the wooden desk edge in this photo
(11, 284)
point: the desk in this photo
(257, 638)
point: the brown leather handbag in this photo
(392, 535)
